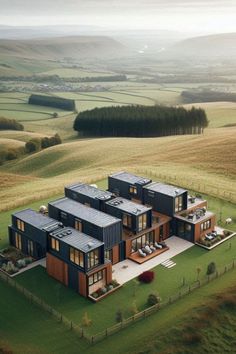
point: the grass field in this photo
(26, 329)
(166, 283)
(47, 337)
(219, 113)
(204, 163)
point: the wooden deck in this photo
(140, 260)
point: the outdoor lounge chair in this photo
(157, 245)
(141, 253)
(152, 247)
(148, 249)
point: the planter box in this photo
(216, 244)
(104, 295)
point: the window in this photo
(78, 225)
(77, 257)
(63, 216)
(206, 225)
(96, 277)
(93, 258)
(18, 242)
(108, 254)
(151, 194)
(20, 225)
(142, 241)
(30, 247)
(142, 222)
(133, 190)
(178, 203)
(127, 220)
(55, 245)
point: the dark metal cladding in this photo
(127, 185)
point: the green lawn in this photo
(167, 282)
(29, 330)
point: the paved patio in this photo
(127, 270)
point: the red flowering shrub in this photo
(146, 277)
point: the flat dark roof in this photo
(90, 191)
(77, 239)
(130, 178)
(128, 206)
(35, 218)
(165, 189)
(84, 212)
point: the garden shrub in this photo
(146, 277)
(153, 299)
(211, 268)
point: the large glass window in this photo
(206, 225)
(133, 190)
(78, 225)
(93, 258)
(142, 222)
(142, 241)
(18, 242)
(20, 225)
(178, 203)
(77, 257)
(108, 254)
(30, 247)
(127, 220)
(96, 277)
(55, 245)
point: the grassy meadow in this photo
(166, 283)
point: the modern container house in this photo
(88, 195)
(103, 227)
(127, 185)
(77, 260)
(29, 232)
(165, 199)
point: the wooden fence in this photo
(195, 185)
(93, 339)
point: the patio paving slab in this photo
(127, 269)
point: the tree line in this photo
(208, 96)
(10, 124)
(51, 101)
(141, 121)
(36, 144)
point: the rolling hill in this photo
(212, 46)
(60, 47)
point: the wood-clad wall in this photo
(57, 269)
(198, 233)
(115, 254)
(82, 284)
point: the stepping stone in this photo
(171, 266)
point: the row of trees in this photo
(10, 124)
(31, 146)
(108, 78)
(206, 95)
(37, 144)
(51, 101)
(141, 121)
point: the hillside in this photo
(212, 46)
(60, 47)
(205, 163)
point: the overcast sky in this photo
(182, 15)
